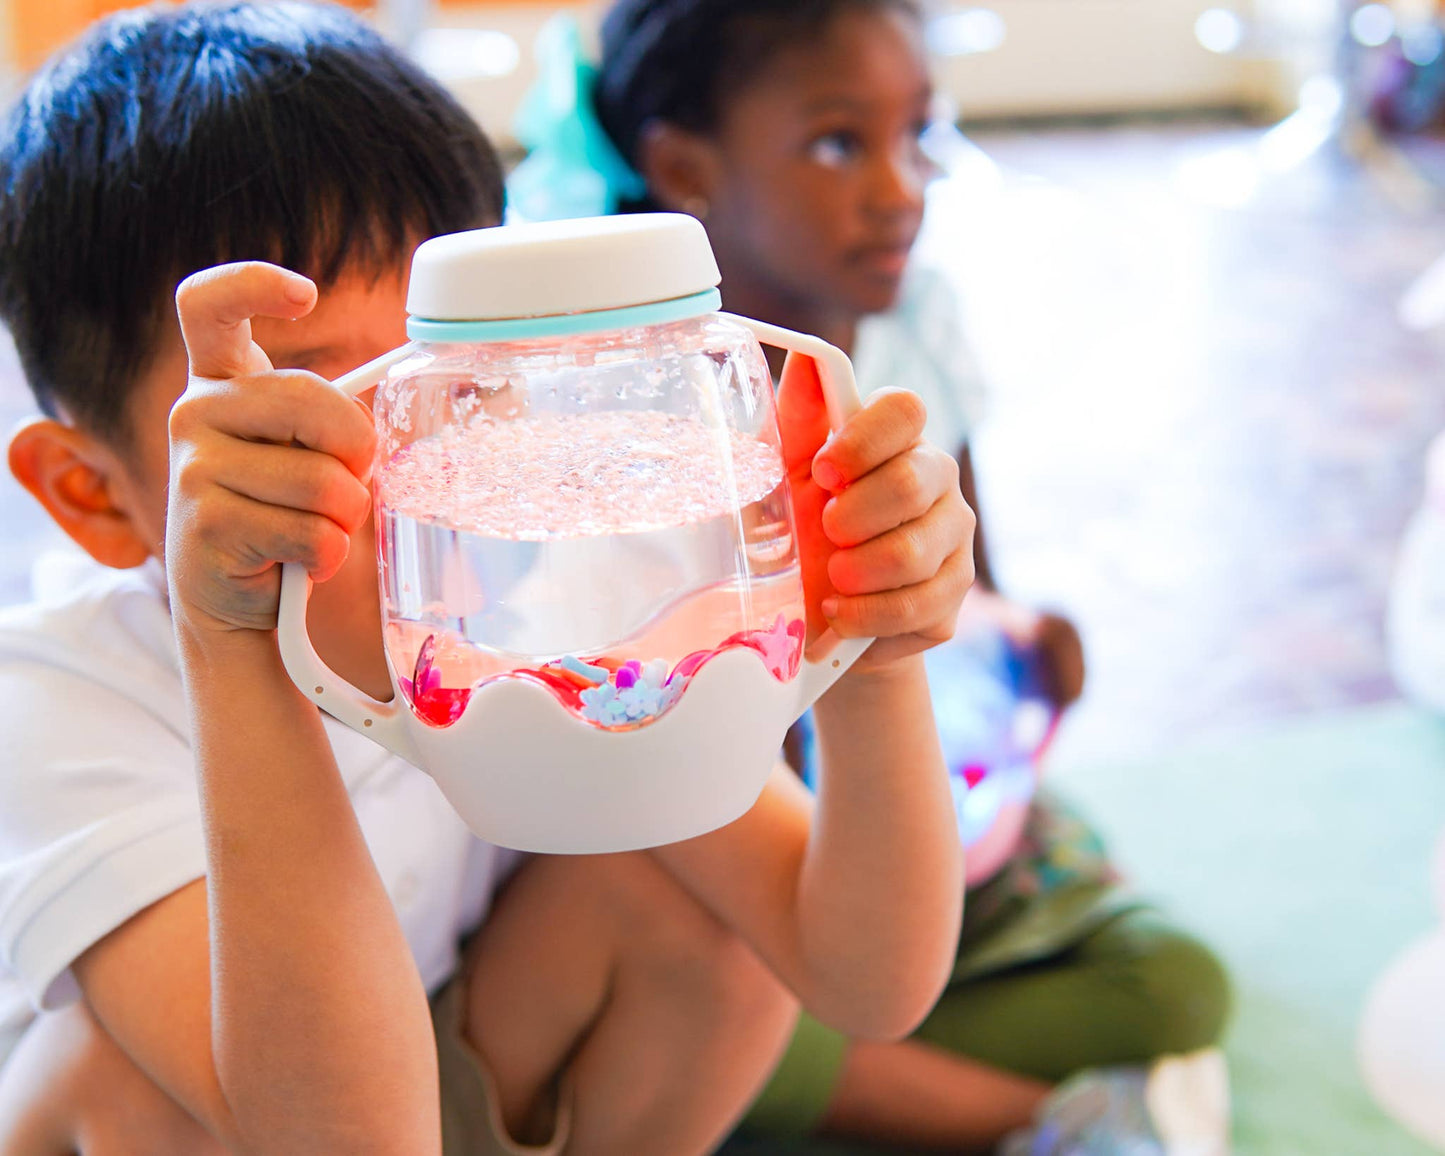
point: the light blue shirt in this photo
(920, 346)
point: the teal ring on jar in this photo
(567, 324)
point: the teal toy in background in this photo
(572, 168)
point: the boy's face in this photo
(357, 318)
(822, 174)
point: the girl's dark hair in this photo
(680, 60)
(170, 140)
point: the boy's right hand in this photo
(266, 466)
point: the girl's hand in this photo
(1052, 643)
(884, 533)
(266, 467)
(1059, 660)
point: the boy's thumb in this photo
(215, 307)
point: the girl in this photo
(793, 129)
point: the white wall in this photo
(1097, 56)
(1058, 57)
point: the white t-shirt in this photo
(99, 813)
(920, 345)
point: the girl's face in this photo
(819, 193)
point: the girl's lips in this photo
(887, 260)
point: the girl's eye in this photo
(836, 149)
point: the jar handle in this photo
(829, 656)
(386, 722)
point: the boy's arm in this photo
(316, 1036)
(856, 902)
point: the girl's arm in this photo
(856, 903)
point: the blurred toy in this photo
(1402, 1031)
(993, 722)
(1408, 90)
(572, 168)
(995, 725)
(1415, 618)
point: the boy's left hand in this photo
(885, 537)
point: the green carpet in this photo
(1301, 853)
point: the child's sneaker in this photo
(1178, 1107)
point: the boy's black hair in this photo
(170, 140)
(679, 60)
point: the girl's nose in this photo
(900, 179)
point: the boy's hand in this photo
(884, 533)
(266, 466)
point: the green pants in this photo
(1132, 989)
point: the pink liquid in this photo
(634, 540)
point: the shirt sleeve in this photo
(99, 819)
(922, 346)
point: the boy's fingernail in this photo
(827, 475)
(298, 290)
(830, 608)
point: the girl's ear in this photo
(76, 479)
(682, 169)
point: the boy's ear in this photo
(681, 168)
(75, 478)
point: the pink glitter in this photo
(578, 475)
(433, 703)
(781, 648)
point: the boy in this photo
(252, 971)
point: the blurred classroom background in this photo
(1195, 240)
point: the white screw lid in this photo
(554, 268)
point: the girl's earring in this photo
(696, 207)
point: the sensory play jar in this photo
(591, 597)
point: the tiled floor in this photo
(1207, 426)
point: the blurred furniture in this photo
(39, 27)
(36, 28)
